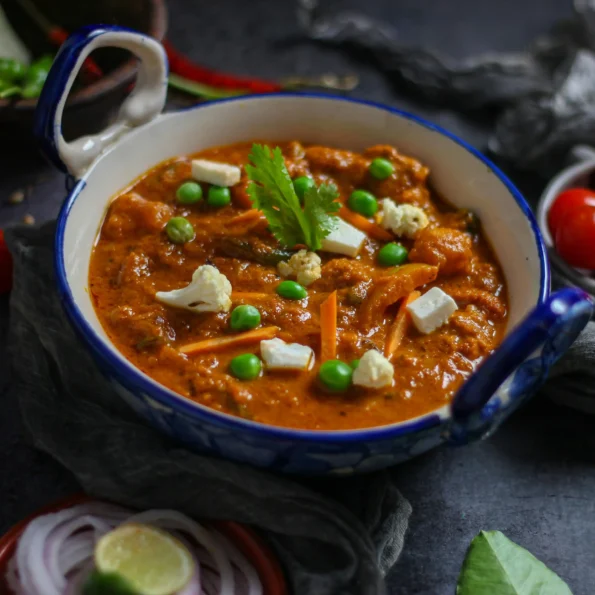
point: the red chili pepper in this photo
(57, 35)
(5, 266)
(180, 65)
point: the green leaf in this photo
(272, 192)
(107, 583)
(319, 203)
(494, 565)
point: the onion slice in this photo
(54, 555)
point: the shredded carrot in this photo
(399, 327)
(249, 295)
(372, 229)
(247, 217)
(328, 328)
(389, 289)
(219, 343)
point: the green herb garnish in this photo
(273, 193)
(497, 566)
(107, 583)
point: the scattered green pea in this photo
(381, 168)
(11, 70)
(302, 185)
(189, 193)
(363, 202)
(335, 375)
(392, 254)
(244, 318)
(291, 290)
(179, 230)
(246, 366)
(354, 364)
(218, 196)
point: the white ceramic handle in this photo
(145, 102)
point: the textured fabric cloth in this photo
(543, 97)
(333, 536)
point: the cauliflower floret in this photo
(306, 266)
(403, 220)
(209, 291)
(373, 371)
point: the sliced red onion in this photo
(54, 555)
(246, 569)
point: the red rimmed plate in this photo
(245, 539)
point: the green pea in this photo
(335, 375)
(291, 290)
(381, 168)
(219, 196)
(11, 70)
(188, 193)
(179, 230)
(244, 318)
(363, 202)
(354, 364)
(392, 254)
(246, 366)
(302, 185)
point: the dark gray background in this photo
(534, 480)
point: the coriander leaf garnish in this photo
(272, 192)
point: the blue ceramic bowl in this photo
(542, 326)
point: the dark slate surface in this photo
(535, 479)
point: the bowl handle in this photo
(519, 366)
(144, 103)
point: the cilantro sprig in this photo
(272, 192)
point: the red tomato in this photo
(5, 266)
(568, 201)
(575, 237)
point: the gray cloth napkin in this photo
(544, 96)
(335, 536)
(544, 99)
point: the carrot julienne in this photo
(372, 229)
(250, 295)
(220, 343)
(399, 326)
(328, 328)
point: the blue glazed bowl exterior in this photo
(100, 165)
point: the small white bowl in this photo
(575, 176)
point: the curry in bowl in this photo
(297, 285)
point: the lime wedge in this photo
(151, 561)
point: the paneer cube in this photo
(279, 355)
(218, 174)
(344, 239)
(431, 310)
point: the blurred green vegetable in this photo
(36, 76)
(11, 70)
